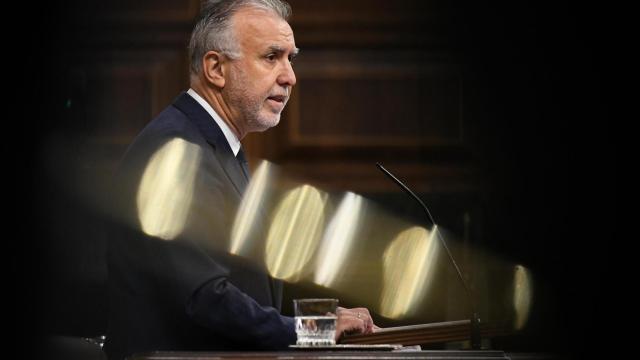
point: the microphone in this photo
(475, 320)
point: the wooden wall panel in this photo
(135, 13)
(388, 112)
(368, 101)
(116, 93)
(367, 24)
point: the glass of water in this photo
(315, 321)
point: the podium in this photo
(402, 335)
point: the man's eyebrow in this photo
(280, 50)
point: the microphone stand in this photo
(475, 319)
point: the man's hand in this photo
(353, 321)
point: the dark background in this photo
(535, 167)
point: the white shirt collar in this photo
(232, 139)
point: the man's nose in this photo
(287, 76)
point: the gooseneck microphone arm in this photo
(475, 320)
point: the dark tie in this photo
(242, 160)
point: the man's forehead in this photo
(263, 28)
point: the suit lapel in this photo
(214, 136)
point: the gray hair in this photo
(213, 30)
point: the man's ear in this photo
(213, 69)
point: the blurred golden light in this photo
(522, 295)
(250, 207)
(407, 266)
(165, 192)
(338, 239)
(295, 232)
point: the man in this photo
(171, 285)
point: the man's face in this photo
(259, 83)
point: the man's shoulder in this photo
(172, 122)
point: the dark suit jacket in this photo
(187, 293)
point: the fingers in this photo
(356, 320)
(364, 315)
(348, 324)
